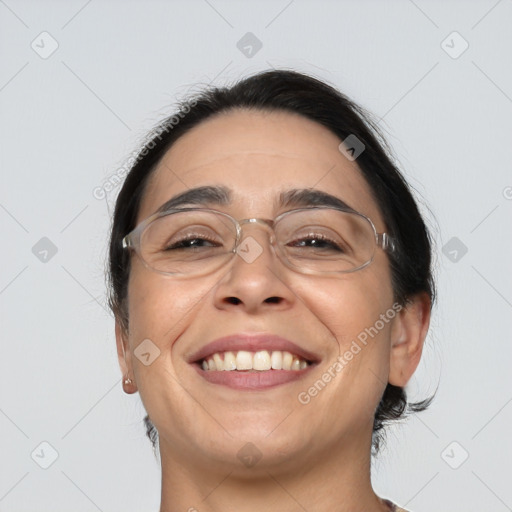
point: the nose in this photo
(256, 280)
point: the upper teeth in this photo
(262, 360)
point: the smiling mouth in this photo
(253, 361)
(262, 360)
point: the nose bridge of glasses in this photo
(247, 231)
(267, 224)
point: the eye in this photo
(191, 242)
(317, 241)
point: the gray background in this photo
(70, 119)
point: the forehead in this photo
(258, 155)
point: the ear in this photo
(407, 338)
(124, 356)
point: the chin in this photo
(247, 458)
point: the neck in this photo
(337, 480)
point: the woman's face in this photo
(258, 156)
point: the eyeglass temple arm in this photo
(386, 242)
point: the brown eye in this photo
(192, 242)
(319, 242)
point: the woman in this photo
(271, 283)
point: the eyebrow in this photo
(304, 197)
(222, 196)
(199, 196)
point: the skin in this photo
(315, 456)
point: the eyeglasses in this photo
(313, 240)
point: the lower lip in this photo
(252, 380)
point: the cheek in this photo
(357, 311)
(159, 306)
(160, 310)
(348, 305)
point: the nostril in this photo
(273, 300)
(233, 300)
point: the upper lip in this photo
(252, 343)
